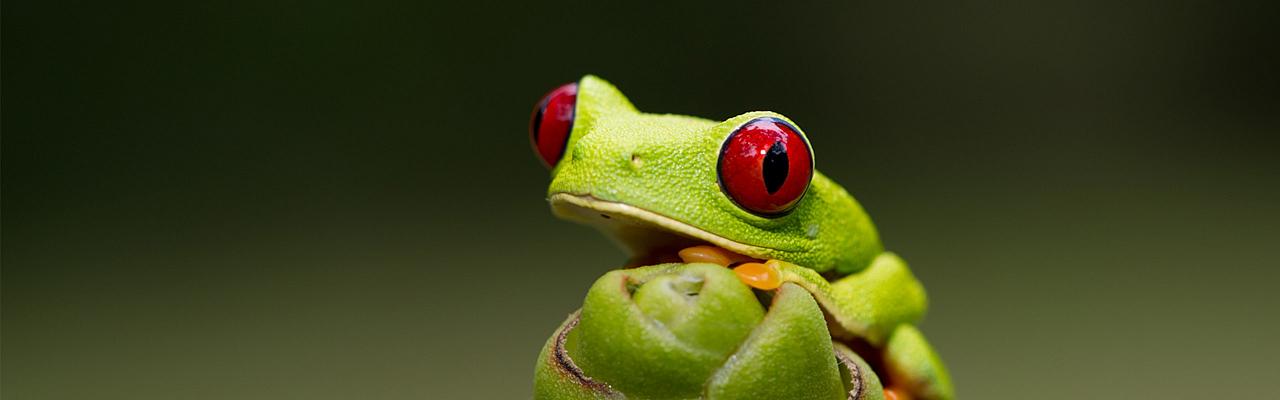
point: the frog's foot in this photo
(752, 272)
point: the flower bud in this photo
(686, 331)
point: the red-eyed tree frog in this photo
(742, 193)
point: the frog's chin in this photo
(647, 236)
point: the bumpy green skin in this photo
(676, 177)
(667, 165)
(684, 331)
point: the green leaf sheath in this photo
(789, 356)
(861, 383)
(684, 331)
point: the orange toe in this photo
(759, 276)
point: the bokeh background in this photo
(324, 200)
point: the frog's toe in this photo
(760, 276)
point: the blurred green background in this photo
(288, 200)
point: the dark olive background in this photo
(337, 200)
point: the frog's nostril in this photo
(636, 161)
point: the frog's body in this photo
(655, 184)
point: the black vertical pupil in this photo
(537, 119)
(775, 167)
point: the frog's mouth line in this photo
(647, 236)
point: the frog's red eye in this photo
(552, 121)
(765, 166)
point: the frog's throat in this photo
(641, 232)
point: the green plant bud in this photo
(686, 331)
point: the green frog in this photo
(743, 193)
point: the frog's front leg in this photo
(878, 306)
(867, 305)
(881, 305)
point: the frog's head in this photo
(657, 183)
